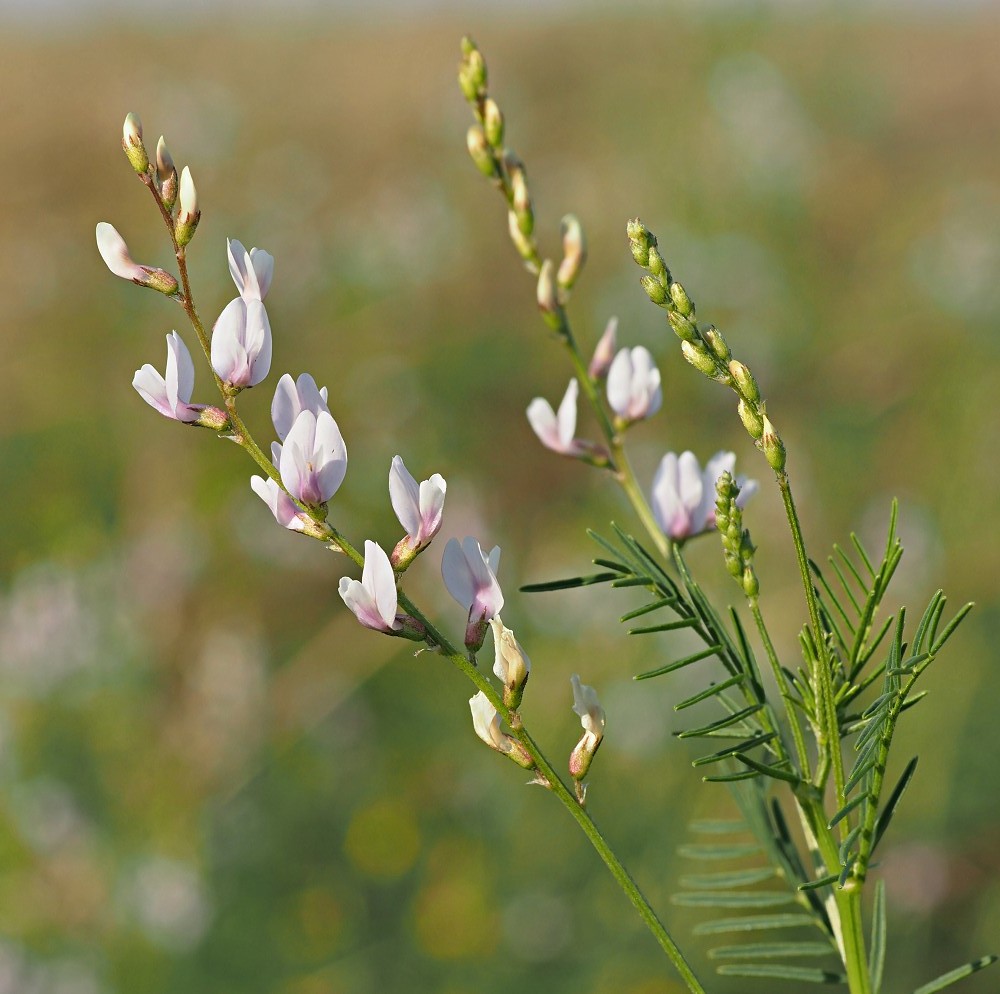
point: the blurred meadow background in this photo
(212, 779)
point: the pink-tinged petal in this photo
(291, 397)
(690, 483)
(237, 265)
(263, 267)
(633, 386)
(170, 394)
(373, 599)
(116, 255)
(470, 577)
(432, 494)
(282, 506)
(567, 415)
(404, 495)
(747, 489)
(331, 455)
(604, 352)
(543, 423)
(668, 509)
(229, 355)
(619, 385)
(258, 341)
(313, 459)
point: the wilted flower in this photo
(313, 459)
(470, 577)
(373, 598)
(512, 665)
(116, 257)
(684, 495)
(292, 397)
(419, 508)
(592, 718)
(634, 385)
(170, 394)
(556, 431)
(241, 338)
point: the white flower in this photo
(419, 508)
(170, 394)
(373, 599)
(486, 722)
(313, 459)
(684, 495)
(556, 431)
(634, 385)
(285, 512)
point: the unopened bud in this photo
(685, 329)
(472, 71)
(214, 418)
(520, 201)
(746, 383)
(751, 585)
(574, 251)
(511, 664)
(681, 300)
(592, 718)
(774, 448)
(657, 266)
(166, 174)
(524, 245)
(132, 144)
(715, 341)
(160, 279)
(188, 214)
(640, 241)
(604, 353)
(699, 357)
(486, 722)
(493, 123)
(548, 297)
(750, 418)
(654, 289)
(481, 153)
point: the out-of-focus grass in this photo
(213, 780)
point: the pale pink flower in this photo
(292, 397)
(684, 494)
(313, 459)
(284, 509)
(420, 508)
(117, 258)
(170, 394)
(241, 338)
(373, 598)
(470, 576)
(556, 431)
(604, 351)
(634, 385)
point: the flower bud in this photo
(188, 214)
(472, 71)
(132, 144)
(751, 419)
(493, 123)
(640, 240)
(511, 665)
(714, 340)
(684, 329)
(486, 723)
(166, 175)
(520, 198)
(699, 357)
(548, 299)
(481, 153)
(774, 448)
(657, 267)
(524, 245)
(574, 251)
(751, 585)
(592, 718)
(654, 289)
(600, 362)
(746, 383)
(681, 300)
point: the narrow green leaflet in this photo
(960, 973)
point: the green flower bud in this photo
(159, 279)
(751, 585)
(681, 300)
(524, 245)
(188, 214)
(654, 289)
(641, 240)
(166, 174)
(657, 266)
(493, 123)
(132, 144)
(684, 329)
(715, 341)
(774, 448)
(481, 153)
(751, 420)
(745, 381)
(699, 357)
(472, 71)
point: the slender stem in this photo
(828, 707)
(782, 682)
(565, 795)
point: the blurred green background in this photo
(212, 779)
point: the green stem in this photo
(828, 707)
(565, 795)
